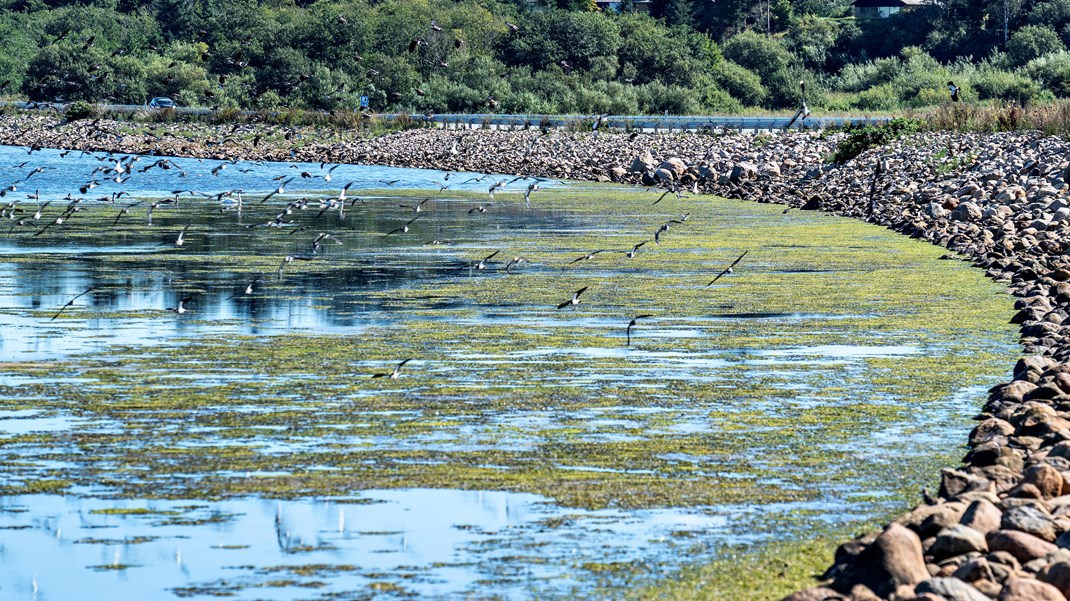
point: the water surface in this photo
(243, 447)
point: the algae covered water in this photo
(529, 446)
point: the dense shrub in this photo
(1033, 41)
(79, 110)
(743, 84)
(1052, 72)
(861, 139)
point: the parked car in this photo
(162, 102)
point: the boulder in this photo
(982, 516)
(643, 163)
(1027, 589)
(1030, 520)
(893, 559)
(675, 165)
(951, 589)
(966, 211)
(957, 540)
(1058, 575)
(1046, 478)
(1024, 547)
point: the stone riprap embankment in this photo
(999, 526)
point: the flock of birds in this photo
(34, 221)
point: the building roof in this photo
(889, 3)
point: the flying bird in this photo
(71, 302)
(575, 300)
(182, 236)
(403, 229)
(181, 308)
(951, 87)
(515, 261)
(416, 208)
(729, 268)
(395, 374)
(631, 253)
(631, 324)
(483, 264)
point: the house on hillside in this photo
(882, 9)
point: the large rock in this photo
(1030, 520)
(967, 211)
(743, 171)
(1058, 575)
(982, 516)
(951, 589)
(1027, 589)
(643, 163)
(1024, 547)
(990, 429)
(1046, 478)
(893, 559)
(955, 482)
(817, 593)
(675, 165)
(957, 540)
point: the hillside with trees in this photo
(680, 56)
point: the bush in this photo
(877, 98)
(79, 110)
(758, 53)
(861, 139)
(1032, 41)
(744, 85)
(1002, 85)
(1052, 72)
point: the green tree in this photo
(1032, 41)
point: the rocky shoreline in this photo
(999, 527)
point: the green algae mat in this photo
(805, 395)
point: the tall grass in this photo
(1051, 118)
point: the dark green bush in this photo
(861, 139)
(79, 110)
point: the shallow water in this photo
(524, 452)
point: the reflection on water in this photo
(439, 541)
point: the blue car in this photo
(162, 102)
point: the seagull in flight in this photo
(181, 308)
(403, 229)
(249, 288)
(631, 253)
(729, 268)
(71, 302)
(575, 300)
(586, 257)
(182, 236)
(527, 194)
(395, 374)
(631, 324)
(290, 259)
(515, 261)
(418, 207)
(483, 264)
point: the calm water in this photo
(725, 381)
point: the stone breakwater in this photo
(999, 526)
